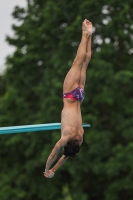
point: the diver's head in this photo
(71, 149)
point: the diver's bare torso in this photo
(71, 121)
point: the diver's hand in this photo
(49, 174)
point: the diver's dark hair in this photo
(71, 149)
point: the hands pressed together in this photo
(49, 174)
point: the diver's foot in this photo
(87, 27)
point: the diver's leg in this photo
(86, 62)
(73, 76)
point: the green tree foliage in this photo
(46, 41)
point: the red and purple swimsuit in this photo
(77, 94)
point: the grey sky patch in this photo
(6, 20)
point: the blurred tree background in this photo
(46, 42)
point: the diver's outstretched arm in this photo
(52, 157)
(50, 173)
(60, 162)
